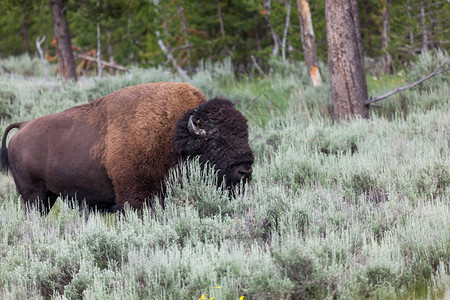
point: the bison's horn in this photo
(194, 130)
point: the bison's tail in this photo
(4, 165)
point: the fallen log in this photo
(103, 63)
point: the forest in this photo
(340, 206)
(199, 31)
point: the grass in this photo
(351, 209)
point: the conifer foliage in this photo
(194, 31)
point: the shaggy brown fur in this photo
(113, 150)
(137, 157)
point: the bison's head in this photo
(217, 133)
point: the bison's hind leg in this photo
(37, 196)
(48, 202)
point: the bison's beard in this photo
(236, 179)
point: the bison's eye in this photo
(216, 148)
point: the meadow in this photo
(336, 209)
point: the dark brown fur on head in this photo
(224, 143)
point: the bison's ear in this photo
(194, 130)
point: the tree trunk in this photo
(219, 14)
(387, 59)
(345, 59)
(258, 40)
(185, 35)
(39, 42)
(308, 42)
(287, 4)
(99, 45)
(434, 24)
(276, 39)
(165, 24)
(26, 41)
(410, 33)
(99, 51)
(64, 44)
(424, 28)
(109, 49)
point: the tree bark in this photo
(424, 28)
(308, 42)
(109, 50)
(287, 4)
(258, 40)
(99, 45)
(434, 24)
(219, 14)
(410, 33)
(99, 51)
(387, 59)
(39, 42)
(276, 39)
(345, 59)
(185, 35)
(26, 40)
(64, 44)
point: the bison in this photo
(119, 148)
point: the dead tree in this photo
(39, 42)
(287, 4)
(276, 39)
(308, 42)
(170, 57)
(99, 52)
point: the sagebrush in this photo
(350, 209)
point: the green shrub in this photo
(25, 65)
(347, 210)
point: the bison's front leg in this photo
(134, 197)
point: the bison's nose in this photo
(245, 171)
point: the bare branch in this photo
(170, 57)
(180, 48)
(399, 89)
(256, 65)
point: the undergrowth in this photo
(350, 209)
